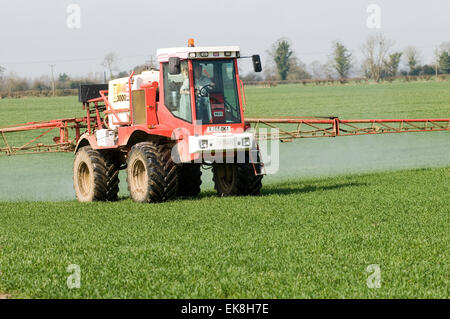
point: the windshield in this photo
(216, 94)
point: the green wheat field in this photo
(336, 206)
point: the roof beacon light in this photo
(191, 42)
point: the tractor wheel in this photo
(151, 173)
(189, 179)
(236, 179)
(95, 175)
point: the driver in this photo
(202, 103)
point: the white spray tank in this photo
(119, 95)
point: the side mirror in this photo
(174, 66)
(256, 63)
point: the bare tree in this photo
(375, 51)
(445, 46)
(413, 59)
(15, 83)
(297, 70)
(109, 62)
(270, 71)
(2, 82)
(41, 83)
(315, 68)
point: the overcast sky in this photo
(34, 34)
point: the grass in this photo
(301, 239)
(394, 100)
(305, 237)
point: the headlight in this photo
(246, 141)
(203, 144)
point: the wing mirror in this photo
(256, 63)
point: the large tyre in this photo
(189, 179)
(236, 180)
(151, 173)
(95, 175)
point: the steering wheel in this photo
(204, 90)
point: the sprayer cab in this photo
(201, 87)
(201, 84)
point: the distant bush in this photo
(402, 78)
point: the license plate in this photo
(218, 129)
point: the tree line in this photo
(379, 61)
(63, 84)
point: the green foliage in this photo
(282, 56)
(342, 60)
(428, 69)
(412, 59)
(63, 81)
(444, 62)
(392, 64)
(63, 78)
(412, 64)
(285, 66)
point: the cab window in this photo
(216, 93)
(177, 96)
